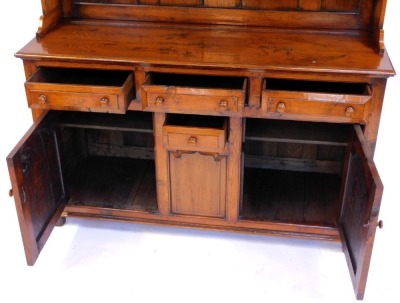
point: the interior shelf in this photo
(297, 132)
(108, 160)
(293, 171)
(291, 197)
(110, 182)
(132, 121)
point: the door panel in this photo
(198, 184)
(35, 172)
(361, 204)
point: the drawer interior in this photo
(195, 81)
(67, 76)
(344, 88)
(293, 171)
(196, 121)
(108, 160)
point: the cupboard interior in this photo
(293, 171)
(108, 160)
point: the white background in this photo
(117, 262)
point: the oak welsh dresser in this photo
(237, 115)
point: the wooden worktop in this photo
(206, 46)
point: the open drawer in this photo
(214, 95)
(316, 100)
(195, 133)
(80, 90)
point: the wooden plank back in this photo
(321, 5)
(338, 14)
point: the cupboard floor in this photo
(287, 196)
(120, 183)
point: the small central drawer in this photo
(195, 133)
(310, 100)
(214, 95)
(80, 90)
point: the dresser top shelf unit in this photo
(212, 46)
(330, 36)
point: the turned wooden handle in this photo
(10, 193)
(350, 111)
(380, 224)
(192, 140)
(281, 107)
(42, 99)
(104, 101)
(159, 101)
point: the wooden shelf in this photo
(130, 122)
(297, 132)
(290, 197)
(211, 46)
(117, 183)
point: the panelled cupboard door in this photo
(361, 204)
(37, 184)
(198, 183)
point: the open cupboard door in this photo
(361, 204)
(37, 184)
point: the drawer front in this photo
(316, 100)
(76, 101)
(80, 90)
(194, 139)
(180, 103)
(213, 95)
(316, 106)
